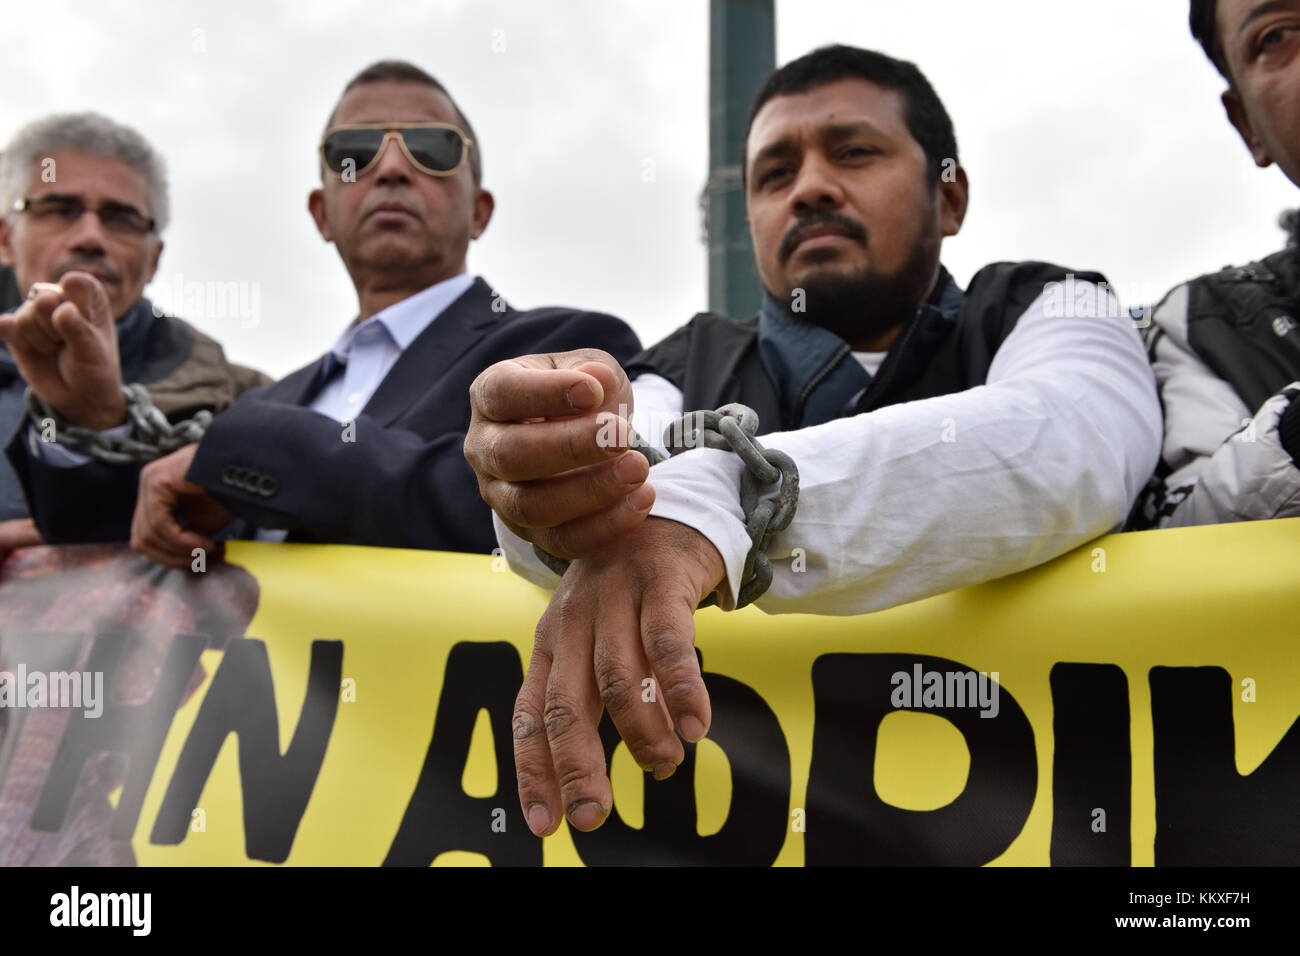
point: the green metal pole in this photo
(742, 52)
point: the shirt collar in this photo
(404, 320)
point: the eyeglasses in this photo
(117, 217)
(436, 149)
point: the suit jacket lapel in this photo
(433, 351)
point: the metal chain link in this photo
(152, 435)
(732, 428)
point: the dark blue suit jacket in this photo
(398, 479)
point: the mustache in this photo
(850, 227)
(87, 264)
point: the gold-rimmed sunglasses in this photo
(436, 149)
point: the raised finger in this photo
(89, 296)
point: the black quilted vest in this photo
(1244, 323)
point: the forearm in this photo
(920, 498)
(282, 466)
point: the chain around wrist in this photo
(732, 428)
(152, 435)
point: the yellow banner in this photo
(1134, 701)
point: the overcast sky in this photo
(1092, 134)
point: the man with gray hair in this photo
(84, 203)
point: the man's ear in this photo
(6, 243)
(954, 196)
(1241, 121)
(153, 264)
(484, 204)
(316, 206)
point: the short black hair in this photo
(926, 118)
(399, 71)
(1205, 30)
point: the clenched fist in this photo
(64, 341)
(549, 441)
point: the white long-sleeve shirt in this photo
(923, 497)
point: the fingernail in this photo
(630, 468)
(690, 728)
(587, 816)
(582, 395)
(664, 770)
(539, 819)
(641, 499)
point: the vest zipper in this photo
(816, 380)
(886, 373)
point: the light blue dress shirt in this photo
(368, 350)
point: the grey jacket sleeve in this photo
(1221, 461)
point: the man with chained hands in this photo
(942, 436)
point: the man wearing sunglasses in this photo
(84, 205)
(365, 445)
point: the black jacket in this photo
(184, 371)
(399, 478)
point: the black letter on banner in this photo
(758, 821)
(440, 816)
(1091, 765)
(848, 823)
(241, 700)
(137, 730)
(1207, 814)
